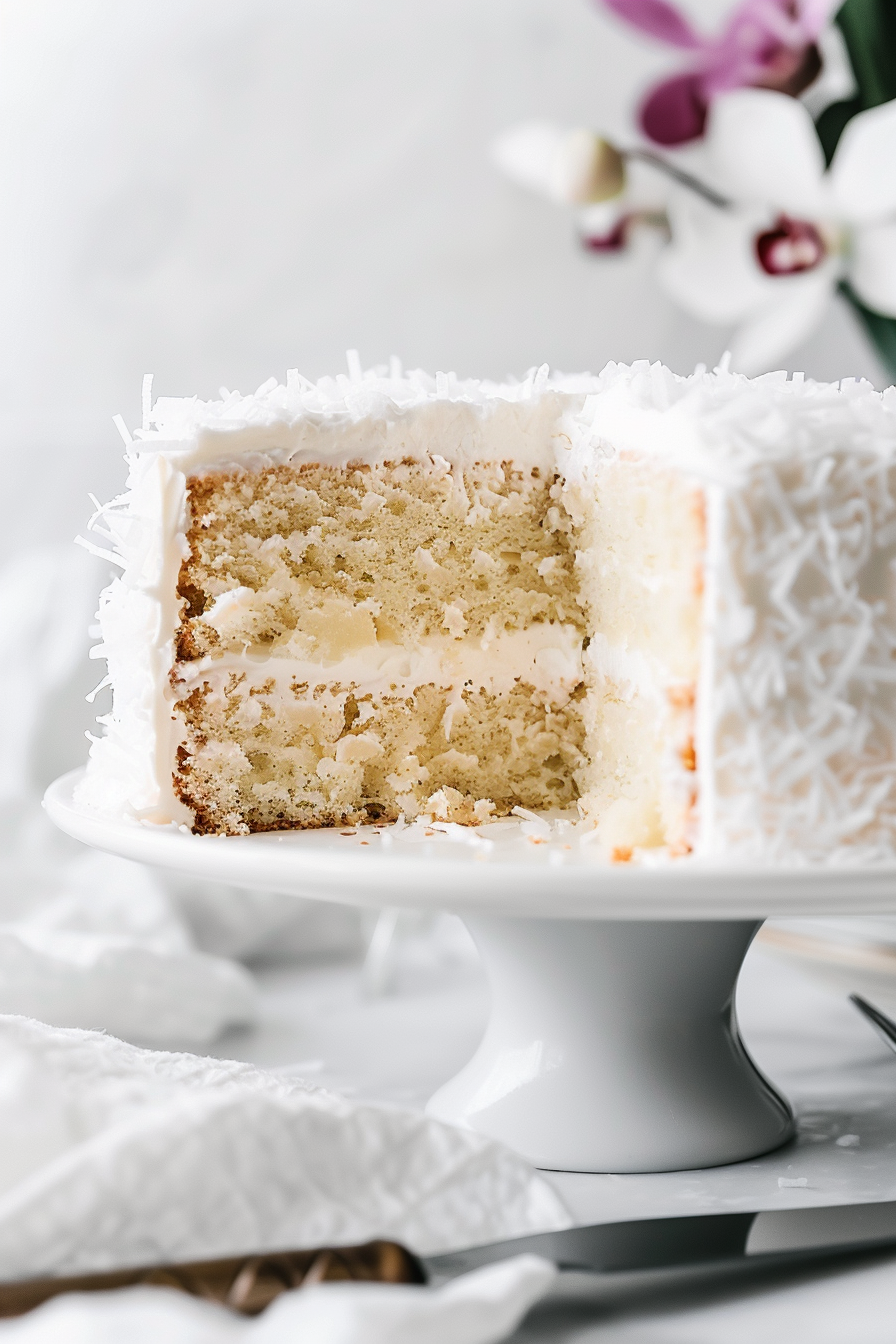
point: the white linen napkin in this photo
(113, 1156)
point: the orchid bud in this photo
(586, 169)
(569, 167)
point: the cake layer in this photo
(339, 556)
(267, 752)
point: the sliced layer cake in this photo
(639, 597)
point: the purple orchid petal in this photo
(765, 44)
(660, 20)
(759, 21)
(794, 24)
(675, 111)
(758, 29)
(614, 240)
(815, 15)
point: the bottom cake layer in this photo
(259, 753)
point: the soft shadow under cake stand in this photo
(612, 1044)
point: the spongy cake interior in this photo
(362, 643)
(409, 638)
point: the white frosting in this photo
(131, 764)
(370, 417)
(630, 671)
(547, 657)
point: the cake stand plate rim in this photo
(462, 878)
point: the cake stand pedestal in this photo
(612, 1044)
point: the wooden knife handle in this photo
(245, 1283)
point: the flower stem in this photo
(679, 175)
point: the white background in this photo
(216, 190)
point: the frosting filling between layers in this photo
(547, 657)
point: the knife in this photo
(248, 1284)
(779, 1236)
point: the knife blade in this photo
(695, 1241)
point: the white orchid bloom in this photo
(771, 262)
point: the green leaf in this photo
(881, 330)
(869, 27)
(869, 30)
(832, 123)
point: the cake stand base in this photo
(612, 1046)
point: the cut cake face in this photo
(664, 605)
(371, 641)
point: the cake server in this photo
(777, 1236)
(249, 1283)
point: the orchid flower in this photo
(792, 232)
(770, 44)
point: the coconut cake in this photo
(663, 604)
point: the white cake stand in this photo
(612, 1044)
